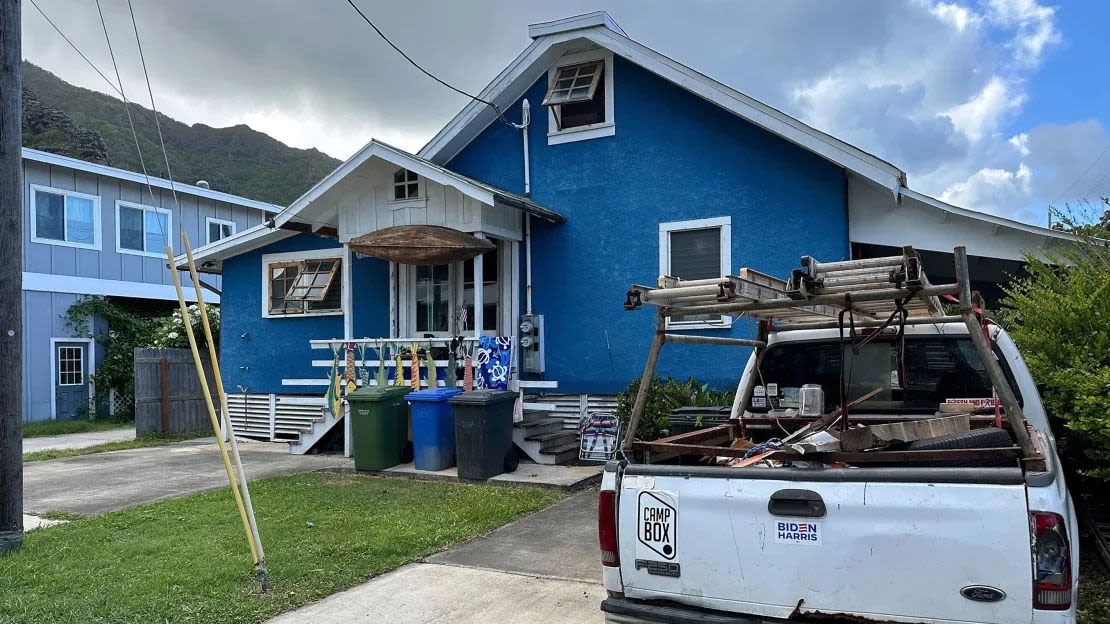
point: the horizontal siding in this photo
(107, 263)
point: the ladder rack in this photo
(867, 292)
(817, 292)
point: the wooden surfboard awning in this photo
(420, 244)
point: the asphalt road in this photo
(103, 482)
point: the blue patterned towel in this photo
(491, 361)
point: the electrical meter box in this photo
(531, 343)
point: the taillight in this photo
(607, 527)
(1051, 562)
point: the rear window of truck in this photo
(935, 369)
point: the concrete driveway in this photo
(103, 482)
(543, 568)
(76, 440)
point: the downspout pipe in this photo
(526, 120)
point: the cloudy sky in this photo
(996, 105)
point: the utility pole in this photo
(11, 279)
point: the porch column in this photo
(348, 326)
(348, 295)
(479, 286)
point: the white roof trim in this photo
(577, 22)
(248, 239)
(475, 116)
(399, 158)
(131, 176)
(989, 218)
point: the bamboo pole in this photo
(208, 403)
(645, 381)
(221, 394)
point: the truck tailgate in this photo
(903, 545)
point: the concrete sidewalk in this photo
(103, 482)
(76, 440)
(543, 568)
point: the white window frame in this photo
(607, 128)
(724, 224)
(89, 374)
(208, 221)
(336, 253)
(36, 188)
(421, 191)
(159, 253)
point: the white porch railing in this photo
(374, 346)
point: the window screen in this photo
(143, 229)
(219, 230)
(696, 254)
(49, 215)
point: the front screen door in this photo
(71, 383)
(438, 301)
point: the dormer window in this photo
(579, 97)
(406, 185)
(574, 97)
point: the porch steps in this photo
(544, 440)
(320, 428)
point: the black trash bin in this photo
(484, 433)
(687, 419)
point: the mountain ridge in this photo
(73, 121)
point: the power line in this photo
(427, 73)
(126, 106)
(111, 84)
(1081, 176)
(157, 124)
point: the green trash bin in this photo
(379, 426)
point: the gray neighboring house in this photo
(92, 229)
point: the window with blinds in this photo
(693, 250)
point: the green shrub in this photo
(664, 396)
(170, 332)
(1059, 316)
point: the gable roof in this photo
(269, 232)
(552, 39)
(131, 176)
(476, 189)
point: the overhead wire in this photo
(117, 89)
(427, 73)
(153, 107)
(126, 105)
(1082, 175)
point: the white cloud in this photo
(992, 190)
(1036, 29)
(932, 85)
(983, 113)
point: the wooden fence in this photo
(168, 395)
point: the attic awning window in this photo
(312, 281)
(574, 83)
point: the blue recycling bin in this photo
(433, 428)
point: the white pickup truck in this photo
(956, 542)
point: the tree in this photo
(1059, 316)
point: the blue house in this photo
(91, 229)
(613, 164)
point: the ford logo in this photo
(982, 593)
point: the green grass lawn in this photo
(187, 560)
(122, 445)
(58, 427)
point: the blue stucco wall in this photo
(278, 348)
(674, 157)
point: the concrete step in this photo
(540, 425)
(563, 453)
(554, 439)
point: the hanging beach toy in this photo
(415, 366)
(468, 374)
(399, 371)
